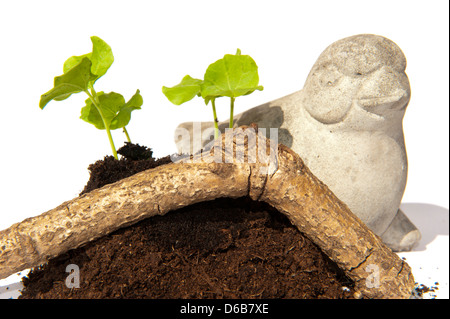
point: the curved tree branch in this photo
(242, 163)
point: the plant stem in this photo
(126, 134)
(216, 121)
(94, 98)
(111, 142)
(231, 112)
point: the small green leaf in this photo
(101, 58)
(74, 61)
(232, 76)
(116, 113)
(185, 91)
(90, 114)
(123, 117)
(74, 81)
(207, 99)
(69, 65)
(109, 105)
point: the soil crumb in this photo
(422, 289)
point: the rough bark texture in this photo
(265, 171)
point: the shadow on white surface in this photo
(429, 261)
(431, 220)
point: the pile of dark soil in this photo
(227, 248)
(135, 159)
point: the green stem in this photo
(126, 134)
(216, 121)
(94, 98)
(111, 142)
(231, 112)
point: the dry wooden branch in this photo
(283, 182)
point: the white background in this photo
(44, 154)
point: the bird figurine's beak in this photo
(376, 104)
(383, 92)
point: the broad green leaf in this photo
(124, 115)
(74, 61)
(101, 58)
(116, 113)
(74, 81)
(109, 104)
(232, 76)
(90, 114)
(185, 91)
(69, 65)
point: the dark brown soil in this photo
(135, 159)
(227, 248)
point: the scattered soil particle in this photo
(422, 289)
(226, 248)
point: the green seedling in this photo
(232, 76)
(106, 111)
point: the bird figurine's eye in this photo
(330, 77)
